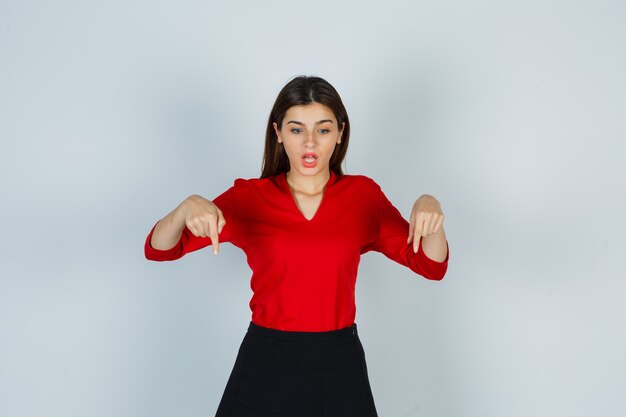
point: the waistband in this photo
(325, 336)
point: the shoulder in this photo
(360, 181)
(358, 187)
(262, 185)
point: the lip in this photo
(309, 164)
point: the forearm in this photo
(435, 246)
(168, 230)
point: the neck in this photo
(308, 184)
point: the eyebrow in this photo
(317, 123)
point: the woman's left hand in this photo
(426, 218)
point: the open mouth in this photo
(309, 159)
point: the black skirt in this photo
(303, 374)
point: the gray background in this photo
(510, 113)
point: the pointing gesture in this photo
(426, 219)
(203, 218)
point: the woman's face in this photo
(309, 135)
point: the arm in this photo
(165, 240)
(392, 242)
(167, 231)
(171, 239)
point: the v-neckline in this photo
(283, 175)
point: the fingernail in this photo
(414, 249)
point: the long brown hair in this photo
(302, 90)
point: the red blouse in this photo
(304, 271)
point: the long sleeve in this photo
(392, 242)
(188, 242)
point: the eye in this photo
(324, 131)
(295, 128)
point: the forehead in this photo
(311, 112)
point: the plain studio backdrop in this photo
(512, 114)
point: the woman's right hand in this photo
(203, 218)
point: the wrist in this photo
(180, 213)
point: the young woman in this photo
(303, 226)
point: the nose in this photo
(310, 139)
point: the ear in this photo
(277, 131)
(343, 125)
